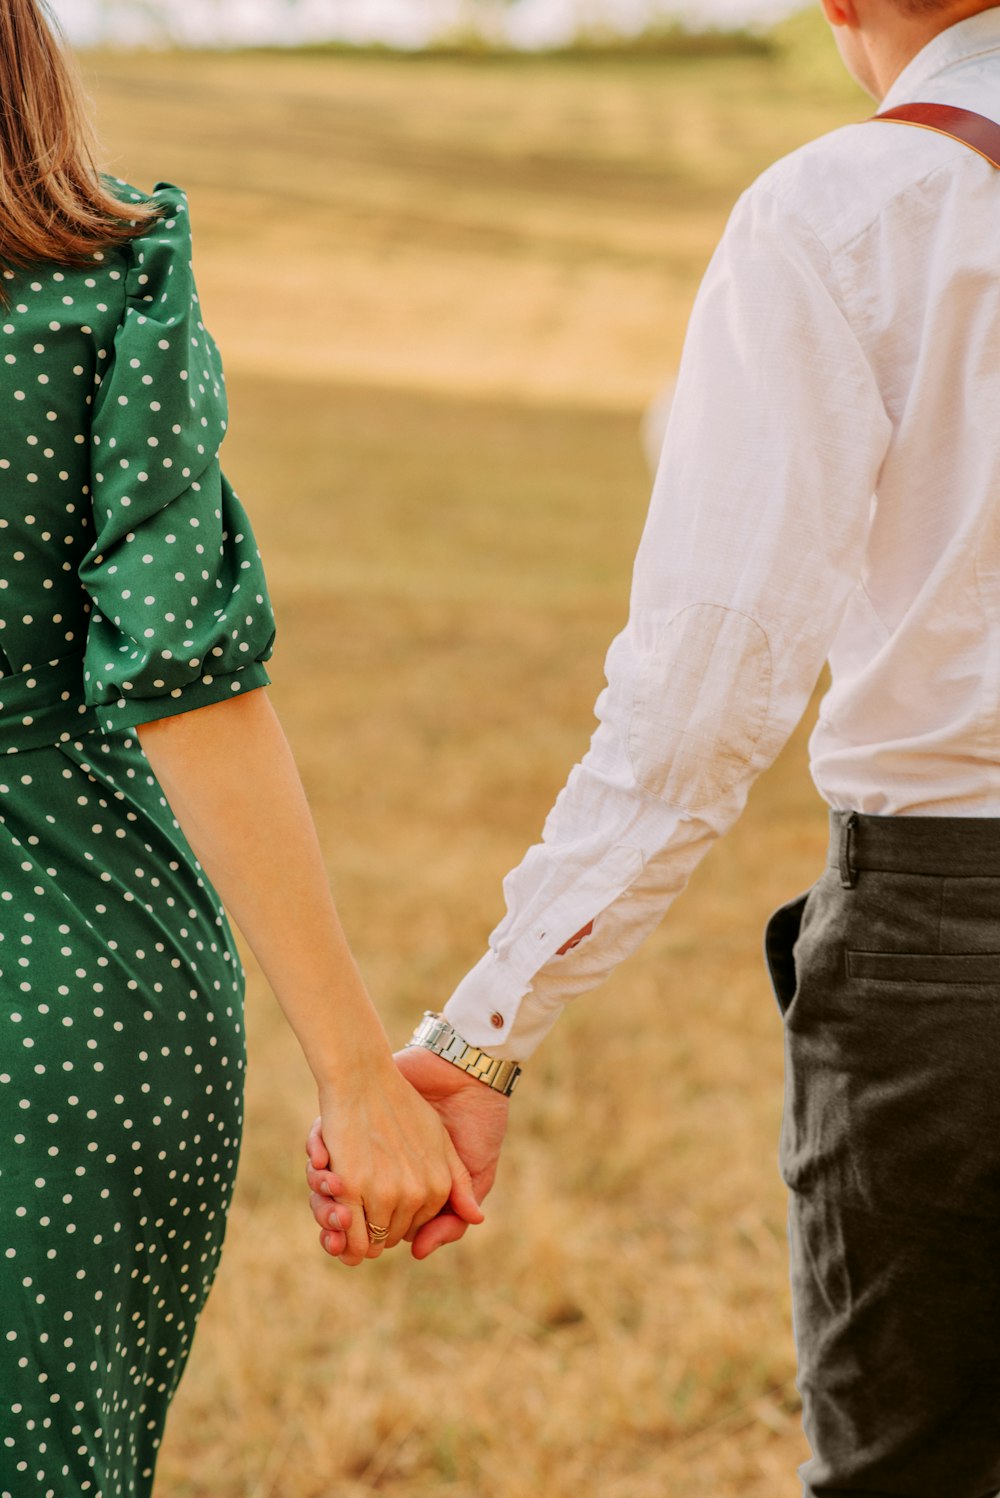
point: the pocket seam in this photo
(877, 967)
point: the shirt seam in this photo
(921, 181)
(876, 615)
(833, 254)
(800, 219)
(745, 757)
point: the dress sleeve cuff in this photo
(128, 712)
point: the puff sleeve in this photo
(179, 610)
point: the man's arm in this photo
(753, 545)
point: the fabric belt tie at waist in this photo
(949, 847)
(44, 707)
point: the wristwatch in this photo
(434, 1033)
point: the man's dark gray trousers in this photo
(887, 975)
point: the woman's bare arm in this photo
(229, 775)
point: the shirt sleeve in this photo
(753, 543)
(180, 615)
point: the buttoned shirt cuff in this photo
(515, 994)
(483, 1006)
(494, 997)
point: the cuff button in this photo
(497, 1021)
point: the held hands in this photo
(396, 1167)
(472, 1114)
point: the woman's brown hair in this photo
(53, 203)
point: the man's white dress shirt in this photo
(829, 488)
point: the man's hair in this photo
(923, 7)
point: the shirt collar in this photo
(970, 38)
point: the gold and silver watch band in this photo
(434, 1033)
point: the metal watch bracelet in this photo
(435, 1033)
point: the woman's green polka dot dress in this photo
(131, 589)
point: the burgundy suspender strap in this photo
(973, 130)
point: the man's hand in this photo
(475, 1117)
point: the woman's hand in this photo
(476, 1120)
(395, 1164)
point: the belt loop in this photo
(848, 874)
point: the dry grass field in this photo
(445, 291)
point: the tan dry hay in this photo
(448, 568)
(535, 232)
(628, 1295)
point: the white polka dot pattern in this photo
(130, 588)
(174, 571)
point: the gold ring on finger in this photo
(377, 1234)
